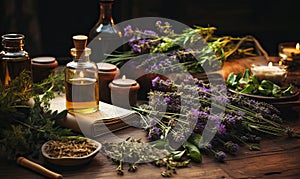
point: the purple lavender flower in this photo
(231, 147)
(220, 156)
(158, 23)
(136, 49)
(194, 114)
(154, 133)
(222, 129)
(204, 89)
(230, 119)
(167, 99)
(164, 27)
(208, 146)
(155, 80)
(128, 31)
(199, 127)
(150, 33)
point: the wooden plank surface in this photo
(279, 158)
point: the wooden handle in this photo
(38, 168)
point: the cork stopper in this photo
(80, 42)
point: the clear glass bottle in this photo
(13, 58)
(81, 79)
(105, 37)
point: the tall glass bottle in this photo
(105, 37)
(13, 58)
(81, 79)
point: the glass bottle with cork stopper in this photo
(13, 58)
(105, 36)
(81, 79)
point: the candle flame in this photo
(270, 64)
(81, 75)
(297, 46)
(123, 77)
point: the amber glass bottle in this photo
(104, 36)
(13, 58)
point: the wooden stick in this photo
(38, 168)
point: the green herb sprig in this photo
(25, 118)
(248, 84)
(193, 47)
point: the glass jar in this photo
(81, 80)
(13, 58)
(105, 37)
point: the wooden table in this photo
(279, 158)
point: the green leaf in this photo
(60, 115)
(177, 155)
(247, 74)
(232, 79)
(195, 139)
(266, 84)
(288, 91)
(248, 89)
(246, 77)
(193, 152)
(255, 82)
(276, 91)
(160, 143)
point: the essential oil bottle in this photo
(81, 79)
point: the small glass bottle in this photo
(105, 36)
(81, 79)
(13, 59)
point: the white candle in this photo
(269, 72)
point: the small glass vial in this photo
(13, 59)
(81, 79)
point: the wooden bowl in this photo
(71, 161)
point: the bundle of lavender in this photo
(203, 117)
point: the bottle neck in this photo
(106, 12)
(13, 42)
(13, 49)
(81, 59)
(81, 56)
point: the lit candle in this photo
(124, 92)
(292, 51)
(276, 74)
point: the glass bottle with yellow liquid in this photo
(81, 79)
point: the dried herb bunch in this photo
(193, 48)
(25, 118)
(132, 151)
(187, 114)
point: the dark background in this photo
(50, 25)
